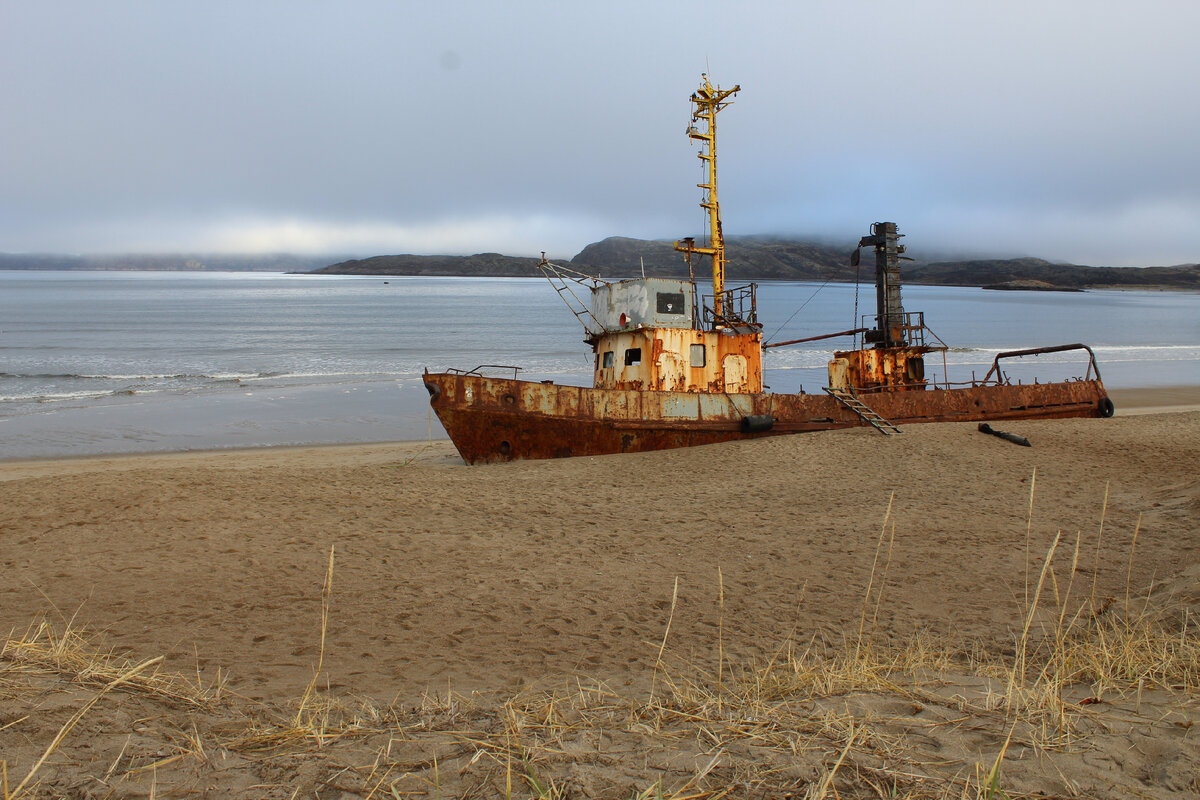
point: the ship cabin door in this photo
(735, 373)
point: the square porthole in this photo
(697, 355)
(633, 356)
(670, 303)
(608, 360)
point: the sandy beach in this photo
(499, 584)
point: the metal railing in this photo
(739, 308)
(912, 326)
(476, 370)
(996, 369)
(995, 375)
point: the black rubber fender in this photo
(757, 423)
(1107, 409)
(434, 390)
(1009, 437)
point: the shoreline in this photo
(1156, 399)
(348, 454)
(1133, 401)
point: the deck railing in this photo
(739, 308)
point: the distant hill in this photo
(618, 257)
(1066, 276)
(274, 262)
(750, 258)
(490, 265)
(764, 258)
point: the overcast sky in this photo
(1067, 130)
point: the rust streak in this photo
(551, 421)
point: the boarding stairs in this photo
(850, 400)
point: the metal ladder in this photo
(560, 279)
(850, 400)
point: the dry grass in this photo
(812, 719)
(809, 720)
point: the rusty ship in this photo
(676, 367)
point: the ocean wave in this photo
(58, 397)
(308, 374)
(151, 376)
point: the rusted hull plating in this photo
(495, 419)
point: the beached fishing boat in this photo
(675, 367)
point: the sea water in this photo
(115, 362)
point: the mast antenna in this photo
(707, 102)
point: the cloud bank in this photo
(1063, 130)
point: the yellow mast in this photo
(708, 101)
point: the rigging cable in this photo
(797, 311)
(854, 322)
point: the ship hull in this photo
(496, 419)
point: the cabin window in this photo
(698, 355)
(633, 356)
(608, 359)
(670, 303)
